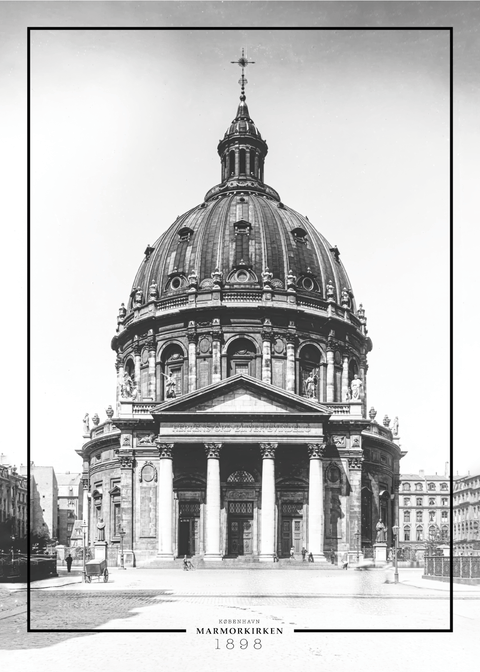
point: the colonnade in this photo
(212, 549)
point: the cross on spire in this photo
(242, 62)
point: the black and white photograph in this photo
(238, 221)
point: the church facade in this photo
(241, 427)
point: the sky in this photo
(124, 128)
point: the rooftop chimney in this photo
(422, 473)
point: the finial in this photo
(242, 62)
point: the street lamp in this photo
(122, 533)
(84, 530)
(395, 530)
(357, 535)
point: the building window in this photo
(444, 515)
(419, 534)
(406, 501)
(443, 486)
(418, 486)
(310, 358)
(444, 501)
(431, 501)
(243, 160)
(241, 357)
(406, 486)
(419, 516)
(431, 516)
(406, 533)
(172, 372)
(444, 533)
(406, 516)
(419, 501)
(431, 486)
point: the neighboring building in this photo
(13, 503)
(43, 500)
(241, 424)
(466, 514)
(424, 511)
(68, 505)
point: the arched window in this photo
(406, 516)
(418, 486)
(243, 162)
(431, 486)
(431, 501)
(419, 516)
(252, 162)
(443, 486)
(311, 379)
(231, 163)
(444, 533)
(241, 357)
(431, 516)
(406, 533)
(171, 372)
(406, 486)
(419, 533)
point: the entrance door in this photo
(188, 531)
(239, 536)
(291, 535)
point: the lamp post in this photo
(357, 536)
(122, 533)
(395, 530)
(84, 530)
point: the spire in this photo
(242, 62)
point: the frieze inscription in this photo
(243, 428)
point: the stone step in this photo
(244, 562)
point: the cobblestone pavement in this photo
(194, 601)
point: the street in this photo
(199, 602)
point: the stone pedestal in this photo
(100, 550)
(380, 552)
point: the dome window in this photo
(308, 284)
(299, 235)
(243, 162)
(185, 234)
(242, 227)
(176, 281)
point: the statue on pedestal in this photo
(153, 291)
(170, 385)
(86, 424)
(330, 291)
(381, 532)
(356, 387)
(311, 385)
(101, 530)
(395, 426)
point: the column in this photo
(212, 505)
(256, 164)
(363, 376)
(330, 377)
(315, 501)
(126, 501)
(136, 349)
(216, 369)
(152, 392)
(85, 501)
(345, 378)
(322, 383)
(247, 161)
(290, 377)
(237, 162)
(267, 359)
(165, 502)
(192, 362)
(120, 376)
(267, 527)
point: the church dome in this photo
(242, 233)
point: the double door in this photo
(188, 536)
(292, 534)
(240, 536)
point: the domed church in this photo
(240, 429)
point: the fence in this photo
(459, 567)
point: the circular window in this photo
(176, 283)
(241, 276)
(307, 284)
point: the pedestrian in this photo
(304, 553)
(185, 564)
(69, 561)
(292, 553)
(275, 557)
(345, 561)
(310, 557)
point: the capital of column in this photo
(136, 348)
(118, 362)
(316, 450)
(126, 461)
(85, 483)
(213, 450)
(355, 463)
(151, 344)
(267, 450)
(192, 337)
(165, 450)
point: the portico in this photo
(261, 489)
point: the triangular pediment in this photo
(241, 394)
